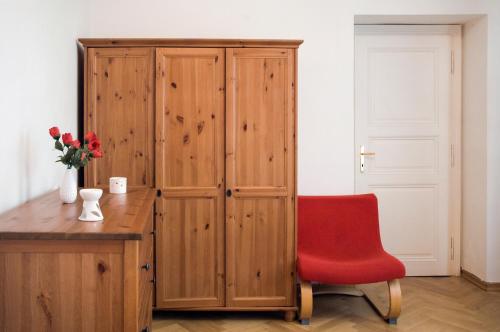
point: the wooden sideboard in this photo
(61, 274)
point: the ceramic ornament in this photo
(91, 209)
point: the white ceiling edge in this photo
(415, 19)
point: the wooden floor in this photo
(429, 304)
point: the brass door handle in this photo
(362, 155)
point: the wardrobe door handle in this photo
(146, 266)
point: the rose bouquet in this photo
(74, 154)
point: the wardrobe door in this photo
(119, 109)
(260, 177)
(190, 173)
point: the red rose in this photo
(83, 156)
(54, 132)
(94, 144)
(97, 154)
(75, 144)
(67, 139)
(90, 136)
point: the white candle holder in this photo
(91, 209)
(118, 185)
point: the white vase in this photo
(68, 190)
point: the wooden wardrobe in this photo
(211, 124)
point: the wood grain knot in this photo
(258, 274)
(200, 127)
(185, 139)
(207, 226)
(173, 85)
(180, 118)
(43, 302)
(245, 126)
(101, 267)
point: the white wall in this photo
(326, 122)
(474, 170)
(38, 89)
(493, 148)
(42, 92)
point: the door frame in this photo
(455, 123)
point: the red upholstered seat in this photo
(339, 241)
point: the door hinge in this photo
(452, 248)
(452, 69)
(452, 155)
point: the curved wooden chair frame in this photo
(391, 316)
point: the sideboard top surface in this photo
(188, 42)
(47, 218)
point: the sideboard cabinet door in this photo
(260, 156)
(190, 174)
(119, 109)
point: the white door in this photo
(403, 116)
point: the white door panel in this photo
(402, 115)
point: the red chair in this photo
(339, 243)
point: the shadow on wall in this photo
(80, 101)
(25, 146)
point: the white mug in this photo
(117, 185)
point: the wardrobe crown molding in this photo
(188, 42)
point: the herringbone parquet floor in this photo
(429, 304)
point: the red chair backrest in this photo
(339, 227)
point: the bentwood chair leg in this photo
(392, 314)
(306, 302)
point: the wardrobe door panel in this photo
(260, 155)
(190, 173)
(119, 109)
